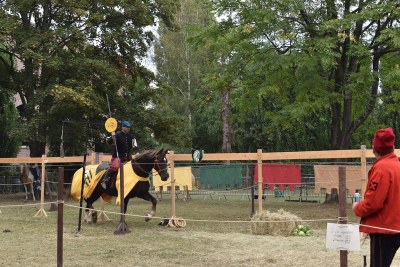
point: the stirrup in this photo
(104, 185)
(104, 181)
(108, 177)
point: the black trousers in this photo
(383, 248)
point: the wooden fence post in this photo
(160, 188)
(364, 173)
(60, 219)
(251, 175)
(41, 212)
(172, 177)
(342, 209)
(260, 180)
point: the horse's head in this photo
(25, 173)
(143, 163)
(161, 164)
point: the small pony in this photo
(27, 179)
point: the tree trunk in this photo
(226, 120)
(37, 148)
(343, 122)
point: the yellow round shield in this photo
(111, 125)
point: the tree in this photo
(11, 133)
(66, 56)
(181, 69)
(388, 107)
(307, 59)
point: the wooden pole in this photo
(60, 221)
(161, 188)
(251, 175)
(342, 209)
(81, 198)
(185, 193)
(42, 212)
(172, 165)
(53, 206)
(364, 173)
(96, 159)
(260, 179)
(122, 227)
(93, 158)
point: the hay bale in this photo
(280, 223)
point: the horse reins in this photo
(156, 163)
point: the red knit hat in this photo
(384, 140)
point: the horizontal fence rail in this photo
(363, 154)
(326, 154)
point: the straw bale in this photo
(280, 223)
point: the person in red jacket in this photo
(380, 208)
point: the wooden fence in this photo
(259, 157)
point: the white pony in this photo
(27, 179)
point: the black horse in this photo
(142, 166)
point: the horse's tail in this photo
(76, 185)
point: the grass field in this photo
(30, 241)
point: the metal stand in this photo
(102, 215)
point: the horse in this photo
(136, 181)
(27, 179)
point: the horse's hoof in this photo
(94, 216)
(148, 217)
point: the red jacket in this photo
(381, 204)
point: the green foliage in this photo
(305, 75)
(302, 75)
(180, 72)
(11, 132)
(388, 109)
(66, 56)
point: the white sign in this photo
(343, 237)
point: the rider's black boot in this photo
(107, 177)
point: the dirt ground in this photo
(29, 241)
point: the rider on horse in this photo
(124, 142)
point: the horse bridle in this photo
(156, 163)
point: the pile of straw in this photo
(280, 223)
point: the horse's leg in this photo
(87, 218)
(33, 194)
(89, 205)
(90, 215)
(147, 196)
(26, 193)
